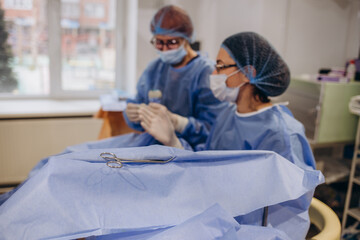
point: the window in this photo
(88, 47)
(94, 10)
(70, 9)
(18, 4)
(67, 48)
(27, 41)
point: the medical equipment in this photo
(155, 96)
(322, 107)
(272, 75)
(113, 161)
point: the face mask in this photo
(221, 91)
(174, 56)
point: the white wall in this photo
(309, 34)
(318, 34)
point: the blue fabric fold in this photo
(78, 195)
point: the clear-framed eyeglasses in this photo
(170, 43)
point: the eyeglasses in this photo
(170, 43)
(220, 66)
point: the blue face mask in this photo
(174, 56)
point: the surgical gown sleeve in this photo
(186, 92)
(206, 108)
(292, 144)
(140, 98)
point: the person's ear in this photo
(186, 44)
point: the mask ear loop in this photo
(242, 84)
(232, 74)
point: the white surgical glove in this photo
(178, 121)
(155, 120)
(132, 112)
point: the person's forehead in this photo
(224, 57)
(165, 37)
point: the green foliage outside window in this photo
(8, 82)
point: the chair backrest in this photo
(325, 219)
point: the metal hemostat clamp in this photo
(114, 162)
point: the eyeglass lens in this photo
(170, 43)
(223, 66)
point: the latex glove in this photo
(178, 121)
(155, 119)
(132, 112)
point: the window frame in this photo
(125, 65)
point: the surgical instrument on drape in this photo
(114, 162)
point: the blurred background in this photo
(58, 57)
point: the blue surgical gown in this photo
(185, 91)
(273, 128)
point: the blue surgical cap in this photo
(172, 21)
(251, 51)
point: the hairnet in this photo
(272, 75)
(172, 21)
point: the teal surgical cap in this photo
(251, 51)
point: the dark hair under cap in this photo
(250, 49)
(172, 21)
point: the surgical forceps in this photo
(114, 162)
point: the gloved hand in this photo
(132, 112)
(155, 119)
(178, 121)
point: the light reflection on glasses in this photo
(220, 66)
(170, 43)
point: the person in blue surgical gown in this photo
(248, 72)
(77, 195)
(178, 79)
